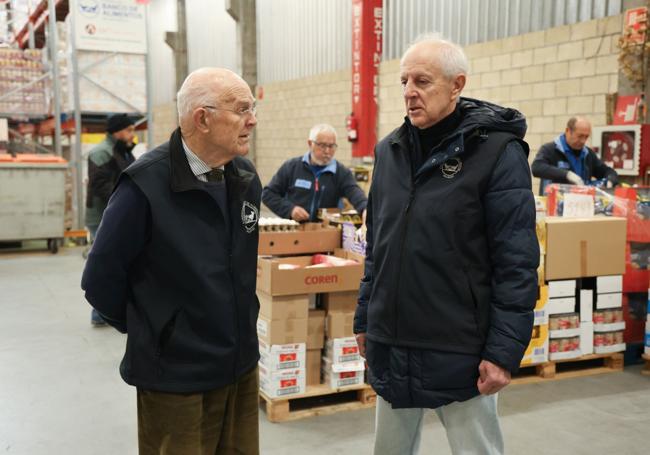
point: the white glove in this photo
(574, 178)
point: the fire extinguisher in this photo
(352, 125)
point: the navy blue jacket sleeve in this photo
(601, 171)
(349, 189)
(545, 165)
(274, 194)
(365, 289)
(122, 235)
(514, 255)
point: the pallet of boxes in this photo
(301, 268)
(578, 317)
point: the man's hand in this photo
(574, 178)
(492, 377)
(299, 214)
(361, 343)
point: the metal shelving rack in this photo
(33, 34)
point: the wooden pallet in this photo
(318, 400)
(587, 365)
(646, 367)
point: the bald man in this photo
(174, 267)
(568, 160)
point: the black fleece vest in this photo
(192, 319)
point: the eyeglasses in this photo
(241, 111)
(323, 145)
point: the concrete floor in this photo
(60, 392)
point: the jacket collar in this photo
(183, 179)
(331, 167)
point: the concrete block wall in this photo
(289, 109)
(548, 75)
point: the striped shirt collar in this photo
(198, 166)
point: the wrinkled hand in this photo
(492, 378)
(574, 178)
(361, 343)
(299, 214)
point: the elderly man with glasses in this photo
(315, 180)
(174, 267)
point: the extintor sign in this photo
(367, 31)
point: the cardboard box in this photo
(562, 288)
(609, 284)
(282, 383)
(282, 356)
(341, 350)
(609, 349)
(541, 279)
(537, 350)
(564, 333)
(340, 302)
(561, 305)
(583, 247)
(605, 301)
(339, 325)
(316, 329)
(301, 241)
(541, 311)
(343, 374)
(586, 338)
(565, 355)
(586, 305)
(283, 307)
(611, 327)
(275, 281)
(313, 366)
(284, 331)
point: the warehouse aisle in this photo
(60, 391)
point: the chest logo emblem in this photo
(249, 216)
(451, 167)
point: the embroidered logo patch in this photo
(451, 167)
(249, 216)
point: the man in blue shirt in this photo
(315, 180)
(568, 160)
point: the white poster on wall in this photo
(110, 25)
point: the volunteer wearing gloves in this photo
(568, 160)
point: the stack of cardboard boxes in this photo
(585, 258)
(282, 329)
(580, 285)
(537, 351)
(291, 330)
(342, 363)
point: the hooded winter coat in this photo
(450, 274)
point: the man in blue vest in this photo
(174, 266)
(446, 303)
(568, 160)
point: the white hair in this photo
(192, 95)
(320, 128)
(452, 58)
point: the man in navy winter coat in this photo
(446, 304)
(315, 180)
(174, 266)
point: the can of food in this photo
(599, 339)
(599, 317)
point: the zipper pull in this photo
(316, 186)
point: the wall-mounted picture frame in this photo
(618, 146)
